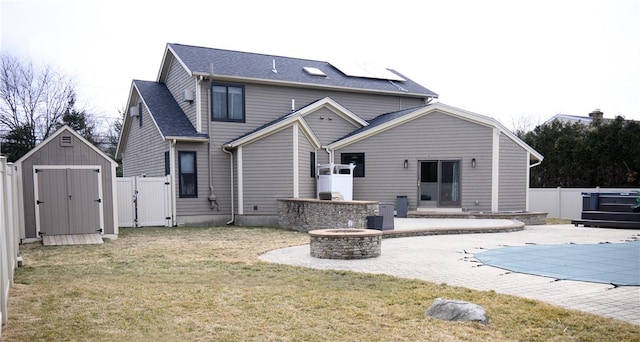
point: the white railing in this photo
(563, 203)
(9, 234)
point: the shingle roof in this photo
(166, 112)
(381, 119)
(259, 66)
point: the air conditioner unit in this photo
(134, 111)
(187, 95)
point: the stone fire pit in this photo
(345, 243)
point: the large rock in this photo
(457, 310)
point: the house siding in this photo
(435, 136)
(306, 183)
(144, 149)
(268, 102)
(263, 104)
(328, 126)
(54, 154)
(267, 169)
(179, 80)
(513, 176)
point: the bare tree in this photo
(523, 124)
(32, 99)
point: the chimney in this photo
(596, 114)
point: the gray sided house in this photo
(67, 187)
(236, 131)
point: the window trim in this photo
(356, 171)
(195, 175)
(227, 86)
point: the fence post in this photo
(4, 253)
(559, 195)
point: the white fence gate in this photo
(9, 234)
(562, 202)
(144, 201)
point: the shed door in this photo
(68, 201)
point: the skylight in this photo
(314, 71)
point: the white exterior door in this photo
(153, 201)
(144, 201)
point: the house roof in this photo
(258, 67)
(58, 132)
(381, 120)
(573, 118)
(165, 111)
(166, 114)
(389, 120)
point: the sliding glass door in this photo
(439, 183)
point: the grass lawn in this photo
(203, 284)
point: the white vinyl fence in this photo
(563, 203)
(9, 234)
(144, 201)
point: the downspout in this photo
(529, 181)
(172, 168)
(330, 153)
(213, 199)
(233, 214)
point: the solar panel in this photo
(366, 70)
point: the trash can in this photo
(402, 204)
(386, 211)
(374, 222)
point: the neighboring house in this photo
(236, 131)
(587, 120)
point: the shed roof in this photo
(278, 69)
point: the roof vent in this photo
(314, 71)
(66, 140)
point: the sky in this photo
(520, 62)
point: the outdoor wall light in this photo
(473, 163)
(406, 164)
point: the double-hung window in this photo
(188, 180)
(227, 102)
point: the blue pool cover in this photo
(607, 263)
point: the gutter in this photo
(229, 78)
(536, 164)
(233, 214)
